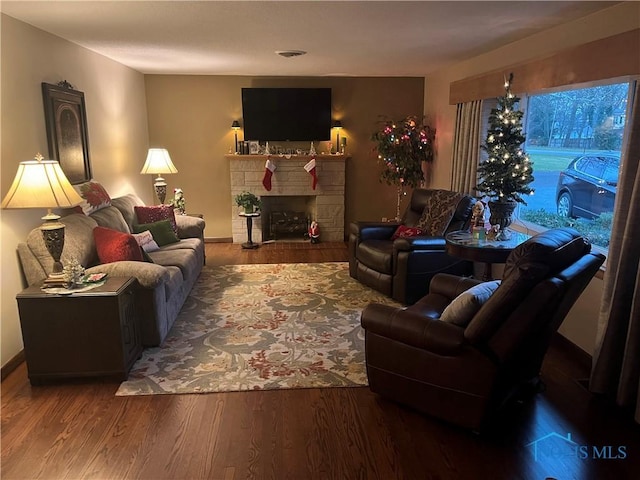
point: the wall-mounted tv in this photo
(286, 114)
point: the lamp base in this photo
(53, 236)
(54, 280)
(161, 189)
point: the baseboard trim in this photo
(12, 364)
(218, 240)
(577, 353)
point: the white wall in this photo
(117, 124)
(580, 324)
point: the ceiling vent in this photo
(290, 53)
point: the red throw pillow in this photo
(157, 213)
(403, 231)
(115, 246)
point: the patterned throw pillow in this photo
(438, 212)
(94, 195)
(403, 232)
(156, 213)
(115, 246)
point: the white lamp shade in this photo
(41, 184)
(158, 161)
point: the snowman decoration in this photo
(178, 201)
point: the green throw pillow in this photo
(161, 231)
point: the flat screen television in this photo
(286, 114)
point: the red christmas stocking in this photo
(311, 169)
(269, 168)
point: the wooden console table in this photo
(92, 333)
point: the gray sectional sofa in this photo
(164, 284)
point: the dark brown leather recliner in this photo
(402, 268)
(464, 374)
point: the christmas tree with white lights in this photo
(506, 173)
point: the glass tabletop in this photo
(466, 239)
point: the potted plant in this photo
(402, 147)
(248, 201)
(505, 175)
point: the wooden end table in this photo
(86, 334)
(462, 244)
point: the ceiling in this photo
(342, 38)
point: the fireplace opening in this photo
(288, 225)
(286, 218)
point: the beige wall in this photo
(117, 124)
(191, 116)
(580, 325)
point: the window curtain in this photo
(616, 361)
(466, 147)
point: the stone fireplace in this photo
(291, 195)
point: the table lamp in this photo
(337, 125)
(159, 162)
(41, 183)
(236, 126)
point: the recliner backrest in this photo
(417, 203)
(420, 199)
(521, 342)
(462, 217)
(539, 258)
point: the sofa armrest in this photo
(190, 227)
(149, 275)
(413, 329)
(413, 244)
(451, 286)
(373, 230)
(31, 267)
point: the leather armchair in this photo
(402, 268)
(463, 374)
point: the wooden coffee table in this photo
(462, 245)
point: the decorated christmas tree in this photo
(402, 147)
(506, 173)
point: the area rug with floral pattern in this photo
(266, 326)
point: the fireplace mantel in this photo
(291, 179)
(286, 158)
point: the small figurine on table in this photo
(178, 202)
(314, 232)
(493, 232)
(477, 219)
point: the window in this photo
(574, 139)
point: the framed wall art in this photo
(66, 121)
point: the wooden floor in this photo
(80, 430)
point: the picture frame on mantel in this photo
(254, 147)
(66, 122)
